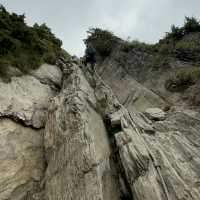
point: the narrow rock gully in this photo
(94, 148)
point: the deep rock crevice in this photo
(131, 158)
(93, 147)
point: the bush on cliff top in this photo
(103, 41)
(25, 47)
(127, 46)
(182, 42)
(191, 25)
(182, 79)
(175, 43)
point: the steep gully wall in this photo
(92, 146)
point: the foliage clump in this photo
(103, 41)
(182, 42)
(182, 79)
(191, 25)
(25, 47)
(127, 46)
(188, 49)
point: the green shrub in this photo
(50, 58)
(102, 40)
(188, 49)
(4, 74)
(25, 47)
(164, 48)
(127, 46)
(182, 79)
(176, 33)
(192, 95)
(65, 54)
(158, 61)
(182, 42)
(191, 25)
(184, 46)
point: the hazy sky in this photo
(146, 20)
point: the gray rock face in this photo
(22, 161)
(130, 93)
(77, 145)
(172, 138)
(155, 114)
(176, 145)
(82, 164)
(49, 74)
(26, 98)
(95, 146)
(23, 109)
(144, 159)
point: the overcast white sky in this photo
(146, 20)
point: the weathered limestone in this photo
(78, 151)
(77, 145)
(132, 94)
(175, 156)
(21, 159)
(155, 114)
(95, 148)
(26, 98)
(49, 74)
(176, 145)
(23, 109)
(172, 137)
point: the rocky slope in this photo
(65, 135)
(173, 136)
(23, 108)
(144, 70)
(94, 148)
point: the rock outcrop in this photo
(130, 92)
(172, 137)
(176, 146)
(22, 163)
(77, 144)
(26, 98)
(155, 114)
(23, 109)
(83, 164)
(66, 136)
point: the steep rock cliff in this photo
(23, 107)
(94, 146)
(82, 162)
(99, 150)
(174, 138)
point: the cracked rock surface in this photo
(26, 98)
(77, 145)
(23, 107)
(66, 136)
(94, 148)
(172, 137)
(21, 159)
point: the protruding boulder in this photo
(155, 114)
(49, 74)
(26, 98)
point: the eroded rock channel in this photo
(88, 146)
